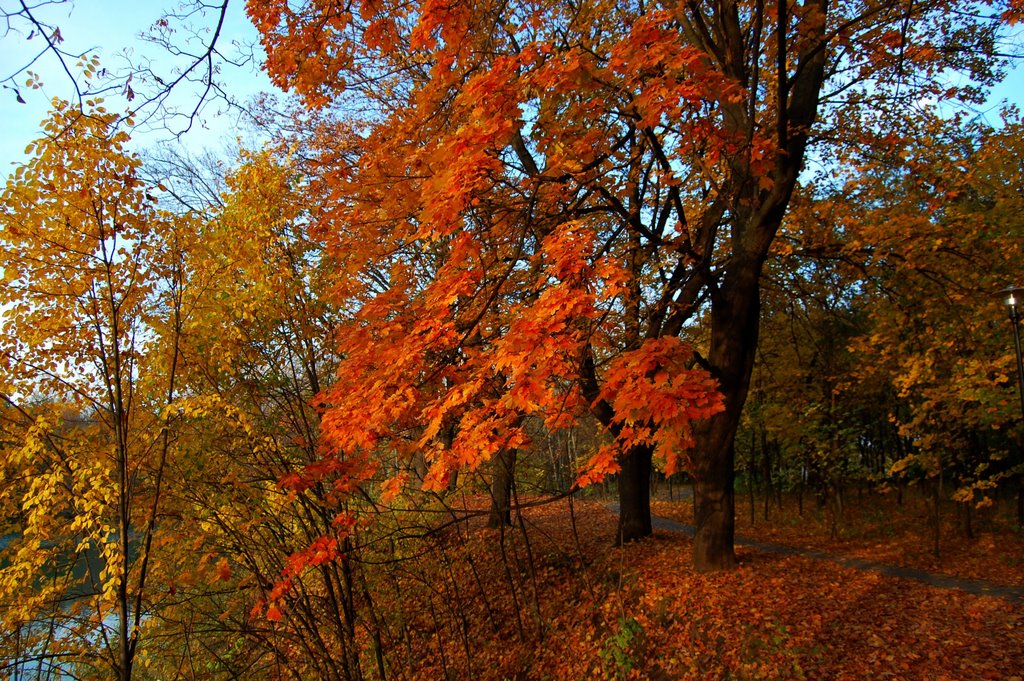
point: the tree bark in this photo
(635, 495)
(715, 518)
(735, 311)
(501, 488)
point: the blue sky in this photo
(111, 29)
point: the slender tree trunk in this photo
(448, 437)
(635, 495)
(750, 480)
(777, 448)
(501, 488)
(377, 642)
(936, 514)
(1020, 500)
(967, 519)
(766, 459)
(124, 634)
(804, 470)
(835, 507)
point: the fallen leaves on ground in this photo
(589, 610)
(875, 527)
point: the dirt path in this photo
(977, 587)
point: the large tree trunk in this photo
(756, 211)
(734, 324)
(635, 495)
(501, 488)
(714, 517)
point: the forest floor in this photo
(573, 606)
(874, 527)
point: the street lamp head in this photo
(1013, 298)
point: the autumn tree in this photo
(90, 278)
(814, 422)
(882, 360)
(606, 172)
(270, 560)
(955, 194)
(291, 547)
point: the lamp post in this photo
(1013, 298)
